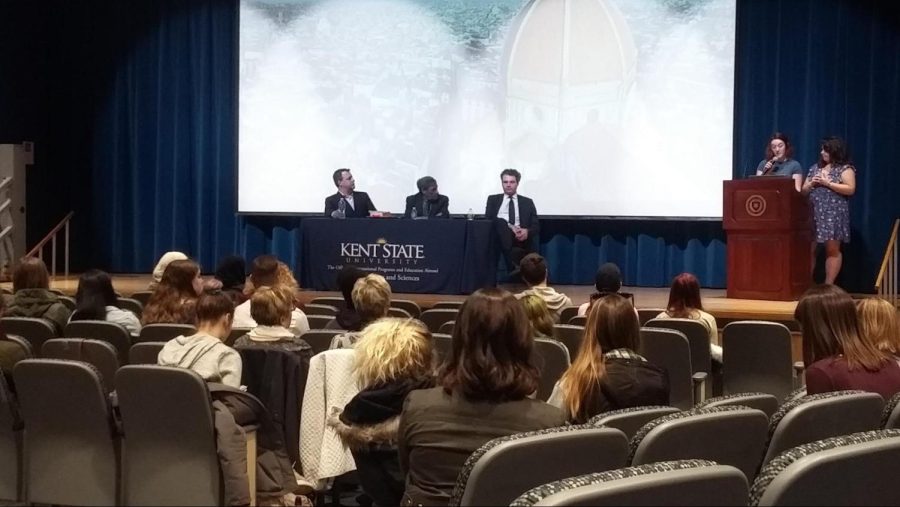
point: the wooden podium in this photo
(769, 230)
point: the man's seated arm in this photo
(329, 206)
(410, 204)
(444, 207)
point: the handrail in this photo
(886, 281)
(51, 237)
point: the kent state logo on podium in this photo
(382, 252)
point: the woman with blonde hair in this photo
(539, 316)
(175, 299)
(608, 373)
(879, 323)
(393, 358)
(837, 357)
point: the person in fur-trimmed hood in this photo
(393, 358)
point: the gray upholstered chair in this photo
(686, 482)
(145, 353)
(434, 319)
(728, 435)
(500, 470)
(398, 313)
(756, 356)
(35, 331)
(452, 305)
(645, 315)
(320, 339)
(170, 445)
(142, 295)
(630, 420)
(11, 484)
(552, 359)
(110, 332)
(447, 327)
(760, 401)
(236, 332)
(443, 347)
(132, 305)
(669, 349)
(411, 307)
(578, 320)
(697, 335)
(566, 313)
(890, 416)
(319, 309)
(15, 348)
(101, 354)
(335, 301)
(855, 469)
(71, 446)
(819, 416)
(571, 336)
(318, 321)
(164, 332)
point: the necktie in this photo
(512, 212)
(426, 207)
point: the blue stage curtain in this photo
(157, 108)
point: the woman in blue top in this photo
(779, 161)
(829, 184)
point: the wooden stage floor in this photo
(714, 300)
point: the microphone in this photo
(770, 166)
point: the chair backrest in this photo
(320, 339)
(669, 350)
(236, 332)
(169, 453)
(101, 354)
(411, 307)
(132, 305)
(728, 435)
(645, 315)
(698, 338)
(452, 305)
(630, 420)
(821, 416)
(398, 313)
(485, 478)
(318, 321)
(756, 356)
(571, 336)
(890, 416)
(68, 426)
(856, 469)
(12, 350)
(688, 482)
(434, 319)
(447, 327)
(335, 301)
(36, 331)
(68, 302)
(110, 332)
(567, 312)
(443, 347)
(319, 309)
(552, 359)
(145, 353)
(578, 320)
(142, 295)
(164, 332)
(11, 484)
(765, 402)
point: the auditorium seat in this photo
(145, 353)
(164, 332)
(101, 354)
(236, 332)
(447, 327)
(71, 447)
(11, 484)
(630, 420)
(411, 307)
(13, 349)
(890, 416)
(578, 320)
(319, 309)
(110, 332)
(697, 335)
(647, 314)
(318, 321)
(335, 301)
(500, 470)
(756, 356)
(552, 360)
(320, 339)
(687, 482)
(855, 469)
(434, 319)
(765, 402)
(571, 336)
(35, 331)
(142, 295)
(443, 347)
(566, 313)
(132, 305)
(398, 313)
(728, 435)
(669, 350)
(451, 305)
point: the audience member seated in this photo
(205, 352)
(95, 299)
(232, 274)
(10, 352)
(684, 303)
(32, 297)
(879, 323)
(372, 299)
(271, 309)
(539, 316)
(268, 271)
(393, 358)
(837, 358)
(533, 268)
(174, 300)
(347, 317)
(607, 374)
(164, 261)
(484, 393)
(608, 280)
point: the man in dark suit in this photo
(353, 204)
(515, 220)
(428, 203)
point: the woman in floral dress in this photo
(829, 184)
